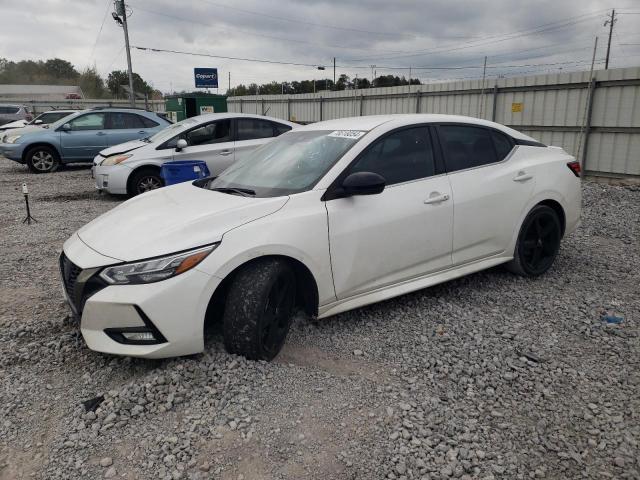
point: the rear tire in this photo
(258, 309)
(144, 180)
(42, 159)
(538, 243)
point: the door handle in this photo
(522, 176)
(436, 197)
(101, 134)
(225, 152)
(142, 131)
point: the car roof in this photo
(370, 122)
(222, 115)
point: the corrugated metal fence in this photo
(552, 108)
(39, 106)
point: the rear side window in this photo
(502, 143)
(466, 146)
(9, 110)
(402, 156)
(147, 122)
(280, 128)
(122, 120)
(253, 128)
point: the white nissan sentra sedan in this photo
(219, 139)
(326, 218)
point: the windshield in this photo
(173, 129)
(50, 117)
(292, 163)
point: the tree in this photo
(60, 69)
(118, 78)
(92, 84)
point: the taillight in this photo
(575, 167)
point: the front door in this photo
(88, 135)
(210, 142)
(400, 234)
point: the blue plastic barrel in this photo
(183, 171)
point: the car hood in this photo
(172, 219)
(123, 148)
(16, 124)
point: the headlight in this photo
(114, 160)
(156, 269)
(11, 138)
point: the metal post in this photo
(361, 103)
(587, 128)
(320, 108)
(132, 99)
(587, 103)
(484, 74)
(334, 73)
(262, 106)
(289, 108)
(495, 102)
(418, 94)
(229, 84)
(241, 106)
(611, 21)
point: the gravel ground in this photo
(490, 376)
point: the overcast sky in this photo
(387, 33)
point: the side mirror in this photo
(37, 122)
(363, 183)
(182, 143)
(66, 127)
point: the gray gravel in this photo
(489, 376)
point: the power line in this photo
(104, 17)
(510, 36)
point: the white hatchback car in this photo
(326, 218)
(219, 139)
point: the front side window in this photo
(90, 121)
(253, 128)
(291, 163)
(466, 146)
(402, 156)
(51, 117)
(9, 110)
(215, 132)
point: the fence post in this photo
(361, 103)
(262, 106)
(587, 127)
(495, 102)
(289, 108)
(320, 108)
(418, 94)
(241, 106)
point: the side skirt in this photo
(408, 286)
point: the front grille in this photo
(78, 283)
(70, 273)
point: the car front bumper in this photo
(173, 310)
(12, 151)
(112, 179)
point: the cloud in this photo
(389, 34)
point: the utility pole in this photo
(229, 83)
(334, 73)
(484, 75)
(372, 77)
(120, 16)
(610, 22)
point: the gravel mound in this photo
(487, 377)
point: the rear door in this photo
(491, 187)
(125, 126)
(250, 133)
(210, 142)
(88, 135)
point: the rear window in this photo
(280, 128)
(9, 110)
(254, 128)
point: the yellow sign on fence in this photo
(517, 107)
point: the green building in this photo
(188, 105)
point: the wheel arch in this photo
(307, 297)
(137, 168)
(557, 207)
(31, 146)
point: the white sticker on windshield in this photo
(354, 134)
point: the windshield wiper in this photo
(245, 192)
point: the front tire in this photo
(42, 159)
(258, 309)
(144, 180)
(538, 243)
